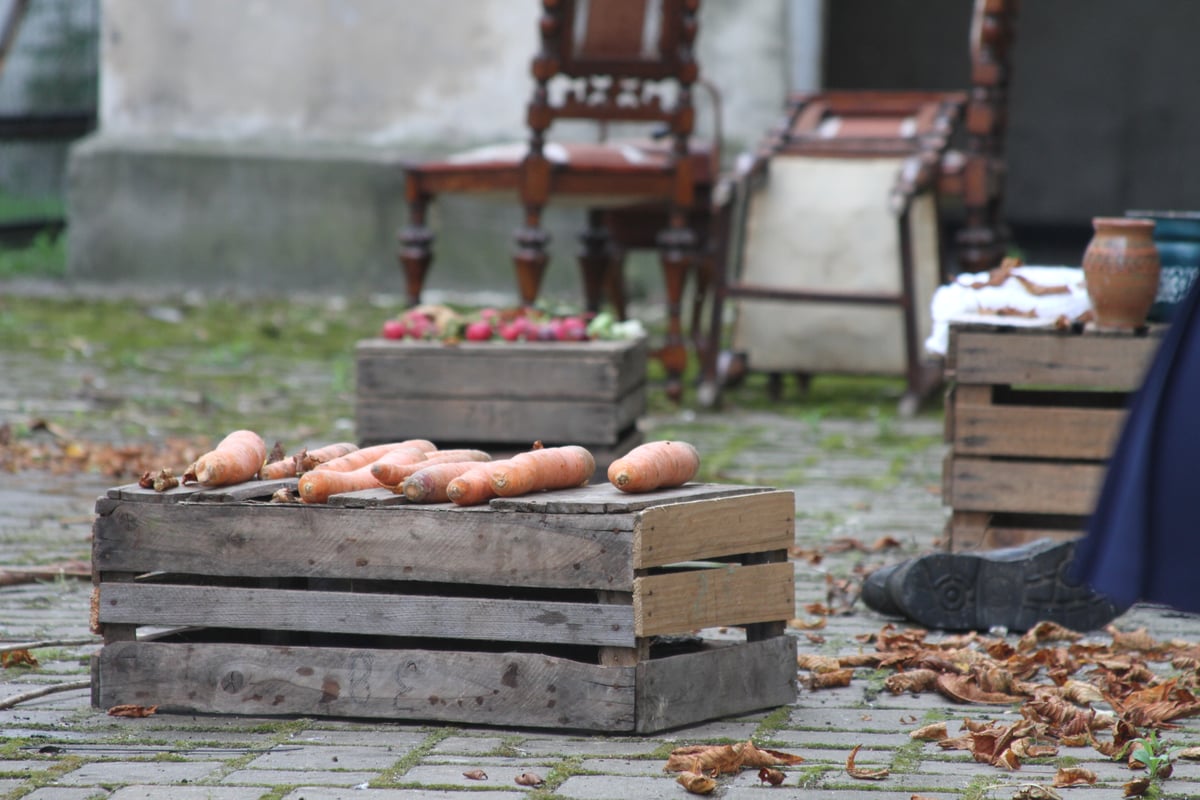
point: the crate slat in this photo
(368, 613)
(980, 484)
(1045, 357)
(1035, 431)
(482, 688)
(685, 689)
(700, 529)
(731, 595)
(470, 545)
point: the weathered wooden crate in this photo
(1032, 416)
(502, 397)
(576, 609)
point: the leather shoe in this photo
(1014, 588)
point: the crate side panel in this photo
(981, 484)
(1051, 358)
(680, 602)
(497, 419)
(734, 679)
(367, 613)
(604, 498)
(1035, 431)
(479, 688)
(420, 544)
(559, 370)
(703, 529)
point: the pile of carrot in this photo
(416, 469)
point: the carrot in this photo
(308, 459)
(475, 485)
(544, 468)
(430, 485)
(393, 475)
(283, 468)
(369, 455)
(236, 458)
(317, 485)
(655, 465)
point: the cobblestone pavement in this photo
(57, 746)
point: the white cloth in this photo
(1014, 302)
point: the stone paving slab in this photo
(118, 773)
(280, 777)
(327, 793)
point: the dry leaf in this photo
(529, 779)
(930, 733)
(1031, 791)
(696, 783)
(831, 680)
(863, 773)
(18, 658)
(772, 776)
(754, 757)
(808, 624)
(130, 710)
(1190, 753)
(1074, 776)
(1136, 787)
(475, 775)
(913, 681)
(817, 663)
(716, 759)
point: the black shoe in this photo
(875, 591)
(1015, 588)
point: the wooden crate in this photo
(1032, 415)
(574, 609)
(502, 395)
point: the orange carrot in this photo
(317, 485)
(545, 468)
(430, 485)
(655, 465)
(236, 458)
(369, 455)
(393, 475)
(307, 459)
(475, 485)
(302, 462)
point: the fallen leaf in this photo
(831, 680)
(475, 775)
(808, 624)
(862, 773)
(716, 759)
(18, 658)
(1190, 753)
(771, 776)
(131, 710)
(1074, 776)
(1031, 791)
(752, 756)
(1136, 787)
(911, 682)
(930, 733)
(529, 779)
(696, 783)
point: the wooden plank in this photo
(732, 679)
(525, 689)
(133, 493)
(498, 419)
(419, 543)
(712, 528)
(1046, 357)
(680, 602)
(976, 531)
(250, 490)
(368, 498)
(604, 498)
(967, 530)
(368, 613)
(601, 370)
(1036, 431)
(980, 484)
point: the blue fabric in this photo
(1143, 539)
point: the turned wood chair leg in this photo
(677, 248)
(530, 256)
(594, 261)
(416, 250)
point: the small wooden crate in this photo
(1032, 416)
(502, 397)
(574, 609)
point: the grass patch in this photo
(45, 257)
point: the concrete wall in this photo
(259, 143)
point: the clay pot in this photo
(1121, 267)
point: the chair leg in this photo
(530, 256)
(416, 250)
(677, 247)
(594, 261)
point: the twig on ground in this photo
(33, 694)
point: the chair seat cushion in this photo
(618, 156)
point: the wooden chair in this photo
(919, 132)
(608, 62)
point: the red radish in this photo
(479, 331)
(394, 329)
(510, 332)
